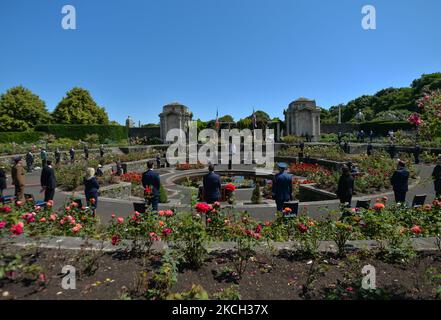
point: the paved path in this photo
(263, 212)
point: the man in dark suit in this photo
(212, 186)
(302, 150)
(48, 181)
(400, 182)
(282, 186)
(152, 180)
(345, 188)
(416, 153)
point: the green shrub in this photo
(75, 132)
(383, 127)
(20, 137)
(162, 195)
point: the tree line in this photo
(390, 104)
(21, 110)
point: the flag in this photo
(217, 120)
(254, 119)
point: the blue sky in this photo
(137, 55)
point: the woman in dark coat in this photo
(91, 187)
(2, 180)
(345, 186)
(436, 175)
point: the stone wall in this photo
(335, 128)
(136, 166)
(122, 190)
(153, 132)
(309, 192)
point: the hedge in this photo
(20, 137)
(80, 131)
(383, 127)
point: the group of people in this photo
(399, 181)
(30, 158)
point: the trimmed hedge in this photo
(383, 127)
(80, 131)
(20, 137)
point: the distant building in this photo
(302, 117)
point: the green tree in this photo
(21, 110)
(78, 107)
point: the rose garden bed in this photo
(302, 271)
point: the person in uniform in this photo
(29, 161)
(48, 181)
(369, 149)
(86, 152)
(72, 154)
(416, 153)
(211, 186)
(18, 178)
(282, 186)
(152, 180)
(43, 156)
(57, 156)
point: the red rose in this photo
(203, 207)
(115, 240)
(302, 228)
(17, 229)
(230, 187)
(416, 229)
(166, 231)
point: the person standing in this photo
(436, 175)
(346, 147)
(43, 156)
(211, 186)
(3, 179)
(29, 161)
(119, 168)
(158, 161)
(152, 180)
(282, 186)
(392, 150)
(91, 187)
(99, 171)
(369, 149)
(101, 151)
(416, 153)
(18, 178)
(48, 181)
(72, 154)
(86, 152)
(302, 148)
(339, 137)
(345, 187)
(371, 136)
(400, 182)
(57, 156)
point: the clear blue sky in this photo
(137, 55)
